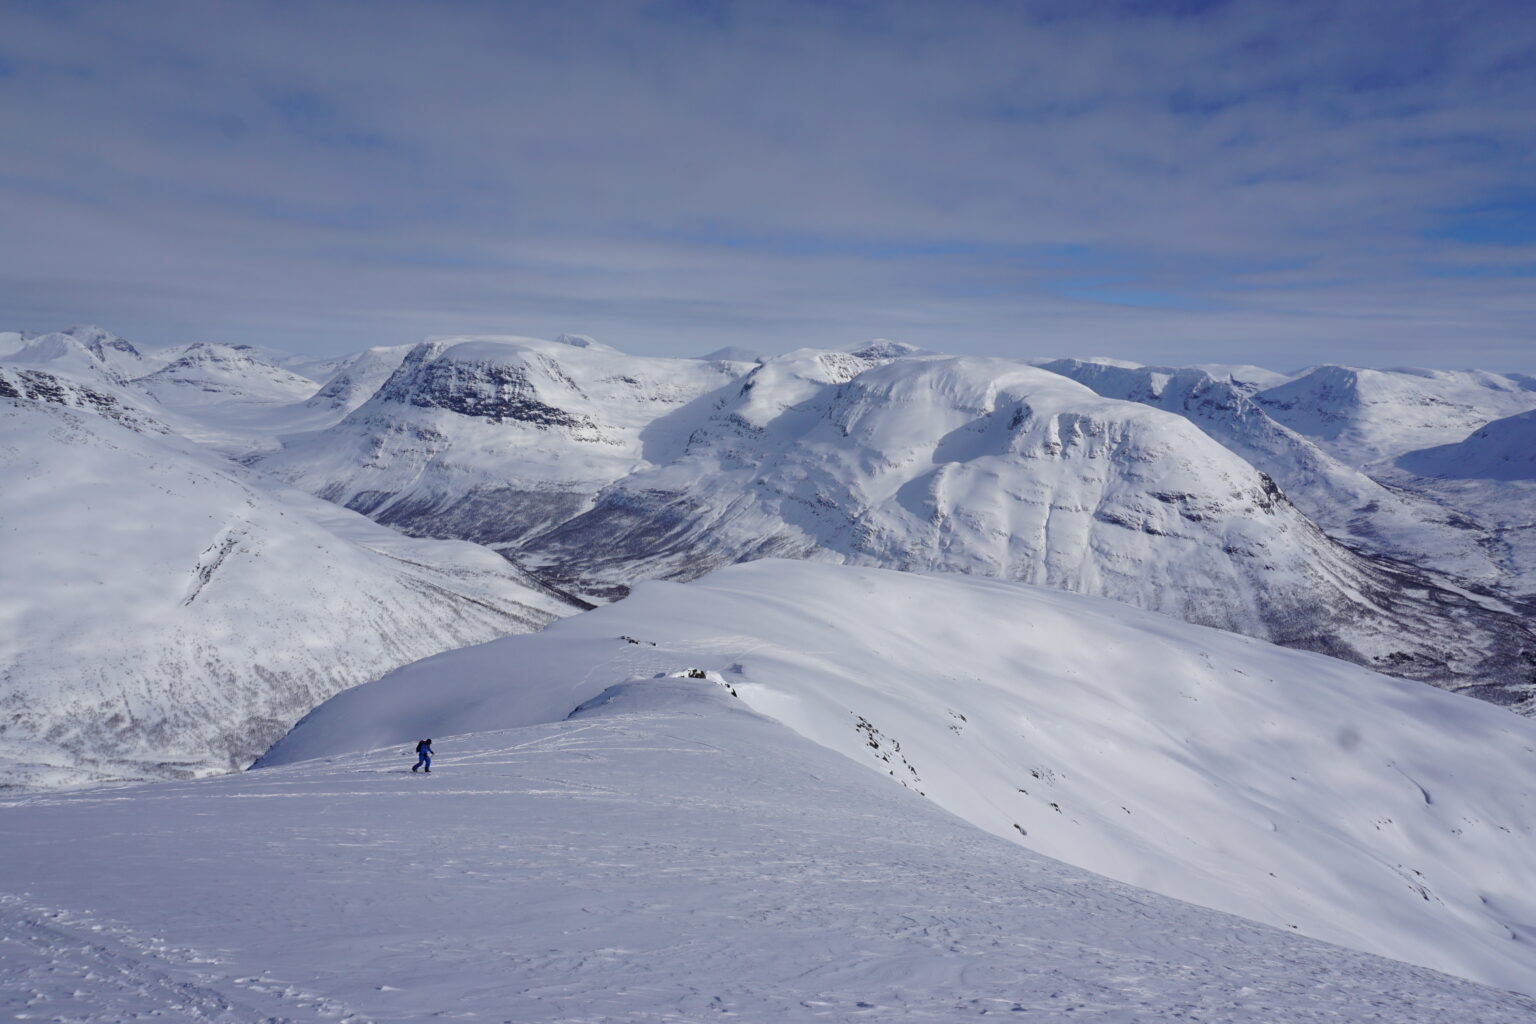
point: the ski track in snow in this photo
(667, 856)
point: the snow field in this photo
(664, 855)
(1287, 787)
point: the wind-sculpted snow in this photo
(664, 855)
(162, 617)
(1289, 788)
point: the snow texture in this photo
(1289, 788)
(664, 855)
(164, 617)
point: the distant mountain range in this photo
(1321, 510)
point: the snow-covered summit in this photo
(995, 468)
(358, 378)
(208, 373)
(86, 350)
(1345, 501)
(493, 439)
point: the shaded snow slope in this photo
(356, 378)
(1344, 501)
(665, 855)
(1370, 417)
(161, 616)
(1283, 786)
(1502, 450)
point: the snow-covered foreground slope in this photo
(1283, 786)
(161, 616)
(666, 855)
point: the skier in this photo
(423, 755)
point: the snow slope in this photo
(1370, 417)
(1289, 788)
(87, 349)
(1502, 450)
(494, 439)
(1344, 501)
(664, 855)
(357, 378)
(162, 616)
(993, 468)
(209, 374)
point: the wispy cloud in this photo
(1275, 183)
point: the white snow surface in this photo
(1286, 787)
(1345, 501)
(162, 616)
(494, 438)
(1367, 418)
(1502, 450)
(664, 855)
(600, 469)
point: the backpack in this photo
(421, 746)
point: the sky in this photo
(1279, 183)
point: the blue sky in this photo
(1276, 183)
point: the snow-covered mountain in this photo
(1343, 500)
(664, 855)
(600, 469)
(1286, 787)
(495, 440)
(1370, 417)
(91, 394)
(355, 379)
(85, 350)
(164, 616)
(1502, 450)
(208, 373)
